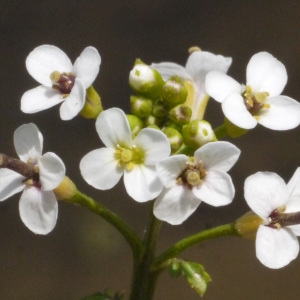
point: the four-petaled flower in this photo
(199, 63)
(189, 181)
(60, 80)
(272, 199)
(136, 159)
(38, 205)
(260, 100)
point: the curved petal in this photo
(200, 63)
(265, 192)
(175, 205)
(44, 60)
(86, 66)
(217, 189)
(100, 169)
(294, 189)
(218, 155)
(10, 183)
(170, 168)
(169, 69)
(39, 98)
(51, 170)
(28, 142)
(276, 248)
(113, 128)
(38, 210)
(283, 114)
(266, 74)
(236, 112)
(219, 86)
(74, 103)
(155, 144)
(142, 183)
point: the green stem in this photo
(173, 251)
(144, 280)
(221, 132)
(89, 203)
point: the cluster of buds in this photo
(163, 105)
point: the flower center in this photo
(34, 179)
(62, 82)
(128, 158)
(192, 175)
(255, 103)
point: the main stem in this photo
(144, 279)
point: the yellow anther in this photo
(261, 97)
(55, 76)
(194, 49)
(193, 178)
(266, 106)
(126, 155)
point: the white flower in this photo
(260, 100)
(60, 80)
(269, 196)
(187, 182)
(38, 206)
(136, 159)
(193, 74)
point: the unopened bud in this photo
(233, 130)
(66, 190)
(175, 138)
(145, 80)
(135, 123)
(198, 133)
(140, 106)
(180, 114)
(93, 106)
(160, 108)
(174, 92)
(152, 120)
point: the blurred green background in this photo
(84, 254)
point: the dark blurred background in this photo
(84, 254)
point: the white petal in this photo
(51, 170)
(113, 128)
(294, 189)
(100, 169)
(276, 248)
(218, 155)
(74, 103)
(38, 210)
(265, 192)
(175, 205)
(200, 63)
(155, 144)
(219, 86)
(169, 69)
(217, 189)
(283, 114)
(170, 168)
(10, 183)
(236, 112)
(86, 66)
(28, 142)
(266, 74)
(44, 60)
(142, 183)
(39, 98)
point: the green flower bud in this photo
(174, 92)
(140, 106)
(180, 114)
(160, 108)
(154, 127)
(93, 106)
(233, 130)
(197, 133)
(175, 138)
(135, 123)
(145, 80)
(152, 120)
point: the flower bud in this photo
(66, 190)
(197, 133)
(135, 123)
(152, 121)
(160, 108)
(233, 130)
(145, 80)
(175, 138)
(93, 106)
(140, 106)
(174, 92)
(247, 225)
(180, 114)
